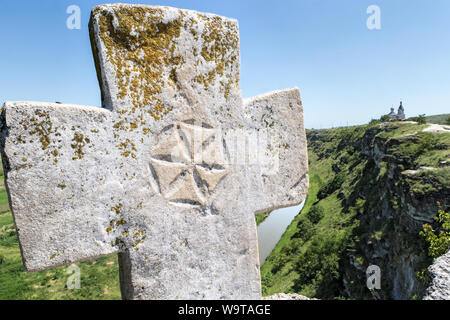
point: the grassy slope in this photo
(439, 119)
(317, 256)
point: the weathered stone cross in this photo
(167, 173)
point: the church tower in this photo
(401, 112)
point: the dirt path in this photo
(437, 128)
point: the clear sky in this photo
(347, 73)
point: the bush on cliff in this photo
(438, 239)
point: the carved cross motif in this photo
(188, 163)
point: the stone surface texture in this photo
(286, 296)
(439, 274)
(170, 172)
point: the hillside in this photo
(439, 119)
(364, 207)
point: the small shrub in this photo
(319, 265)
(315, 214)
(266, 282)
(305, 230)
(439, 239)
(331, 187)
(421, 119)
(278, 262)
(423, 277)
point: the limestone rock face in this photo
(396, 207)
(286, 296)
(439, 272)
(170, 172)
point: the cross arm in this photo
(57, 172)
(281, 174)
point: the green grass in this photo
(260, 217)
(5, 219)
(3, 197)
(439, 119)
(395, 130)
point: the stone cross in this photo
(169, 172)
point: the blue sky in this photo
(347, 73)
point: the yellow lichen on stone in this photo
(53, 256)
(221, 43)
(120, 222)
(79, 141)
(40, 124)
(139, 45)
(117, 208)
(128, 147)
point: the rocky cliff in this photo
(403, 194)
(439, 272)
(372, 189)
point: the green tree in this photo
(279, 260)
(305, 230)
(316, 213)
(439, 239)
(319, 265)
(331, 187)
(447, 121)
(266, 282)
(385, 118)
(421, 119)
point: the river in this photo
(271, 229)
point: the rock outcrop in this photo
(286, 296)
(439, 273)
